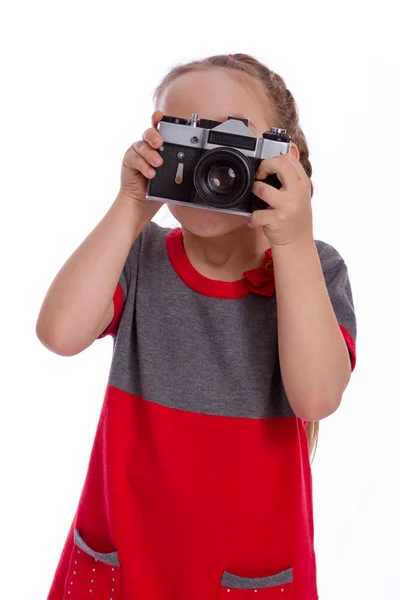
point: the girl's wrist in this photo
(134, 214)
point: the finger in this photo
(156, 117)
(268, 194)
(150, 155)
(297, 166)
(136, 161)
(152, 137)
(279, 165)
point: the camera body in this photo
(212, 165)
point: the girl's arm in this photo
(79, 303)
(314, 357)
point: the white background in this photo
(76, 80)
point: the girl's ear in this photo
(295, 151)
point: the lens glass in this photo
(222, 178)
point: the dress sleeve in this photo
(126, 286)
(339, 289)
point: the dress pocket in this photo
(92, 574)
(274, 587)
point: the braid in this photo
(298, 137)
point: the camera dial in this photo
(277, 135)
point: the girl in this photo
(232, 339)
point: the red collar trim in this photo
(259, 280)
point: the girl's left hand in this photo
(288, 219)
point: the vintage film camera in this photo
(212, 165)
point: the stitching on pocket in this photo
(110, 558)
(248, 583)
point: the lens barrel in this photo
(223, 177)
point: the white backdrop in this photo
(76, 82)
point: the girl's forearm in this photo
(81, 293)
(314, 358)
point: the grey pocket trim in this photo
(110, 559)
(247, 583)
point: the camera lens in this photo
(223, 177)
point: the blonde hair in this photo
(286, 116)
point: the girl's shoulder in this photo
(152, 237)
(155, 233)
(329, 256)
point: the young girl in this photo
(232, 338)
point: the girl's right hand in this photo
(138, 166)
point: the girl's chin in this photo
(206, 223)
